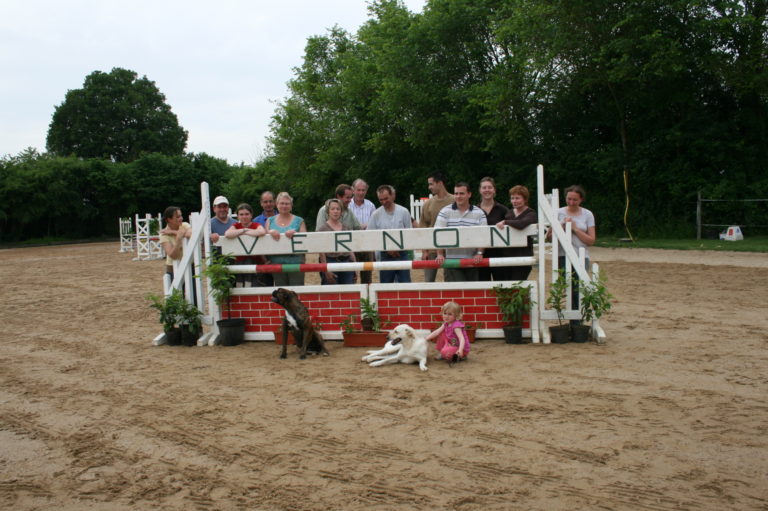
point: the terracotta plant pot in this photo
(365, 339)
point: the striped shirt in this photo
(362, 213)
(450, 216)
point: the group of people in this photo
(349, 209)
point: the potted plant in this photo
(222, 280)
(471, 329)
(191, 323)
(168, 309)
(559, 334)
(595, 301)
(514, 302)
(369, 316)
(371, 324)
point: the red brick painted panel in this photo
(431, 294)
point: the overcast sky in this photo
(222, 65)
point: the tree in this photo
(117, 116)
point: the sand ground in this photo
(670, 414)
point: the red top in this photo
(252, 225)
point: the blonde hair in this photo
(452, 308)
(333, 201)
(284, 195)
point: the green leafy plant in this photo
(595, 298)
(347, 325)
(514, 302)
(169, 308)
(190, 316)
(557, 292)
(222, 280)
(369, 314)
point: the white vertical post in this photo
(205, 212)
(542, 256)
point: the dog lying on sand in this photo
(299, 323)
(403, 346)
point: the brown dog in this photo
(297, 320)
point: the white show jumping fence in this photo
(400, 239)
(127, 236)
(141, 239)
(416, 205)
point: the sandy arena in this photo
(671, 414)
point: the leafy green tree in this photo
(644, 102)
(117, 116)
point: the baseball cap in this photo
(220, 200)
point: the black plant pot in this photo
(513, 334)
(580, 333)
(189, 336)
(173, 337)
(367, 324)
(560, 334)
(231, 331)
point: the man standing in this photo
(362, 208)
(268, 206)
(461, 214)
(348, 219)
(267, 203)
(221, 220)
(391, 216)
(429, 211)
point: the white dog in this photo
(404, 346)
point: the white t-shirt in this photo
(584, 220)
(400, 218)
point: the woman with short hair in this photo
(519, 216)
(334, 209)
(288, 224)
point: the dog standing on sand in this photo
(403, 346)
(299, 323)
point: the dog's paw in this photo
(326, 354)
(283, 356)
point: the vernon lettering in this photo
(369, 241)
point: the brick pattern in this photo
(329, 309)
(421, 309)
(418, 308)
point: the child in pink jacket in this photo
(452, 339)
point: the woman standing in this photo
(583, 232)
(519, 217)
(334, 209)
(495, 213)
(246, 226)
(289, 224)
(172, 236)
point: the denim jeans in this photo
(390, 276)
